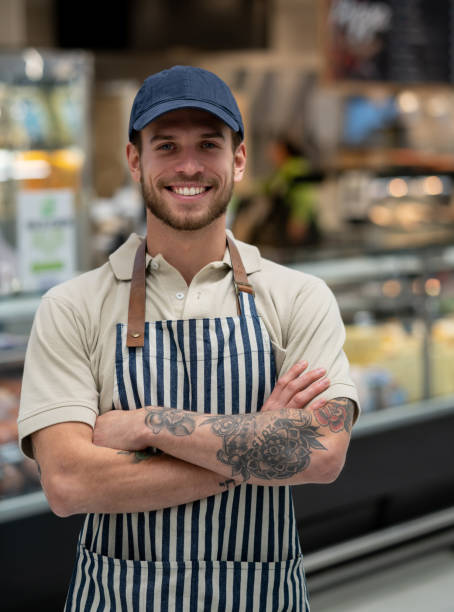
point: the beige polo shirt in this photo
(69, 365)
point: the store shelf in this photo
(377, 159)
(403, 416)
(374, 267)
(378, 541)
(18, 307)
(388, 550)
(12, 358)
(23, 506)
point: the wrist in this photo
(143, 434)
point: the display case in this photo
(44, 195)
(44, 167)
(397, 308)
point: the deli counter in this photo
(398, 310)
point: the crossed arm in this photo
(292, 440)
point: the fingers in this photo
(297, 388)
(277, 399)
(304, 397)
(316, 404)
(296, 382)
(293, 372)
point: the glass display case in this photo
(398, 310)
(43, 167)
(44, 191)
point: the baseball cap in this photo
(184, 87)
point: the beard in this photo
(189, 221)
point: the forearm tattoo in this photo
(177, 422)
(275, 451)
(279, 450)
(141, 455)
(337, 414)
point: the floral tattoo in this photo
(337, 414)
(278, 451)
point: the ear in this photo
(133, 157)
(239, 162)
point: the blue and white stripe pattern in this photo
(238, 550)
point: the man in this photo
(186, 481)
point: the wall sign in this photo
(46, 237)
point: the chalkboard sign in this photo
(405, 41)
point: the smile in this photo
(188, 191)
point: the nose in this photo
(189, 164)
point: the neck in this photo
(187, 251)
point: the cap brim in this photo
(161, 109)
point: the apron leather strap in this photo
(240, 278)
(136, 310)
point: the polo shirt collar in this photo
(122, 260)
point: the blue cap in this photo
(184, 87)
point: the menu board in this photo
(405, 41)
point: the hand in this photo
(295, 389)
(122, 429)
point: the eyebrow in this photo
(214, 134)
(160, 137)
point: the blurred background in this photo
(349, 108)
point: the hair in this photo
(237, 139)
(136, 140)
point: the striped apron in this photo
(234, 551)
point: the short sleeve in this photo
(316, 333)
(58, 384)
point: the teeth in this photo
(189, 191)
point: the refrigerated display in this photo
(44, 191)
(44, 167)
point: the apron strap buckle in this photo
(246, 287)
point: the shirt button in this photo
(179, 295)
(154, 265)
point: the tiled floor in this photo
(423, 585)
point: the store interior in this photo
(349, 113)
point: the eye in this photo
(165, 146)
(209, 145)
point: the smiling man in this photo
(176, 393)
(200, 185)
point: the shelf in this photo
(23, 506)
(377, 159)
(374, 267)
(18, 307)
(376, 542)
(12, 358)
(371, 423)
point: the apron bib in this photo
(238, 550)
